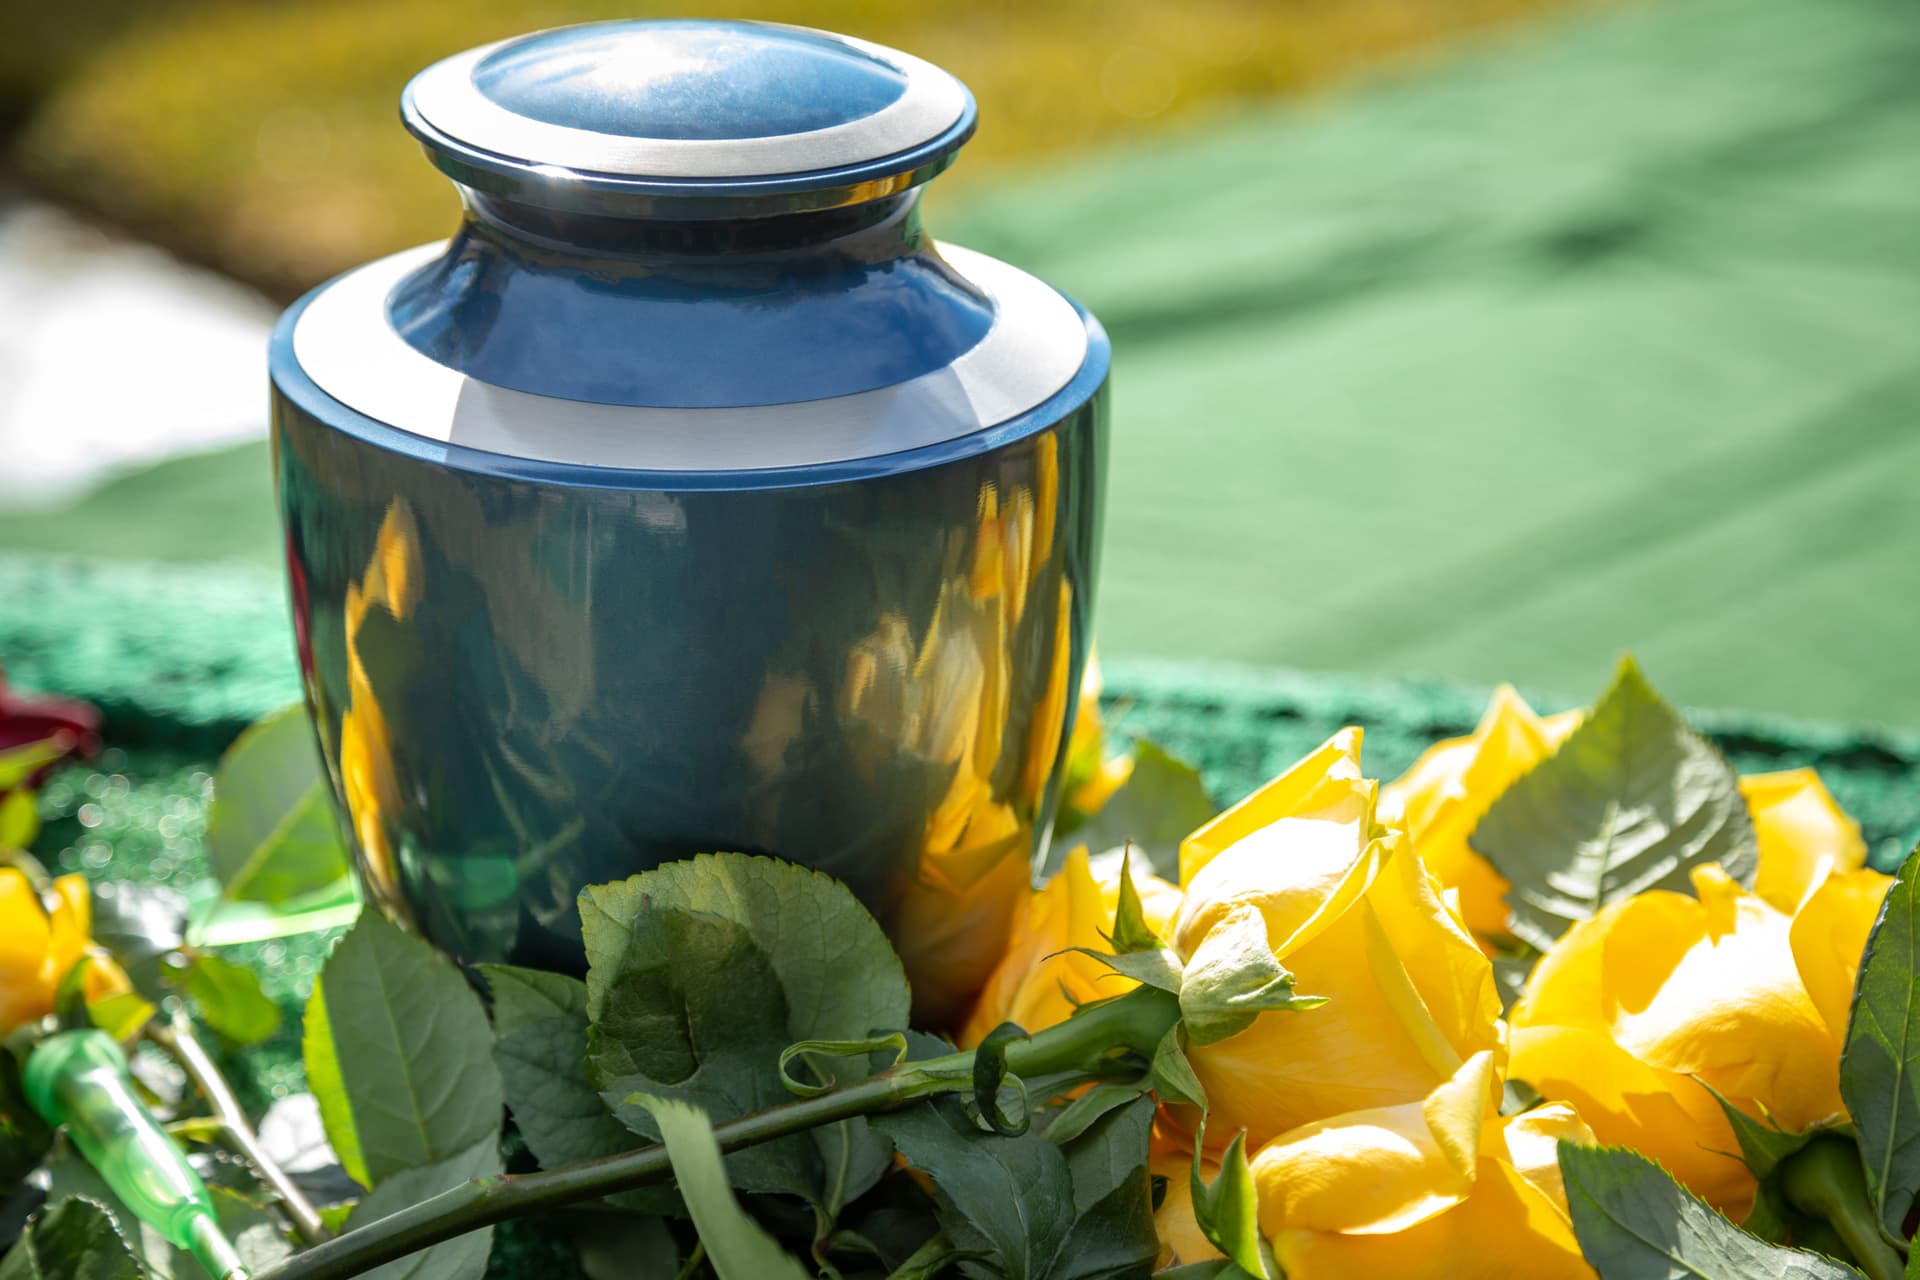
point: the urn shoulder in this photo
(691, 247)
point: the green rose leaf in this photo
(271, 834)
(1233, 977)
(1084, 1111)
(837, 970)
(1005, 1200)
(255, 1234)
(703, 972)
(229, 999)
(540, 1047)
(694, 1013)
(1113, 1231)
(1162, 802)
(397, 1052)
(1227, 1210)
(461, 1258)
(76, 1240)
(24, 1136)
(736, 1245)
(1880, 1064)
(1633, 800)
(1634, 1222)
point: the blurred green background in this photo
(1471, 339)
(261, 137)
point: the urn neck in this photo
(696, 313)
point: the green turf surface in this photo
(1600, 339)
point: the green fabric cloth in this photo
(1596, 338)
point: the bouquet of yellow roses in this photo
(1679, 950)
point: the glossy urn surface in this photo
(691, 498)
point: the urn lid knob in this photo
(719, 118)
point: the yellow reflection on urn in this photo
(392, 581)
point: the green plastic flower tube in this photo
(80, 1079)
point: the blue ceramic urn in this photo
(691, 497)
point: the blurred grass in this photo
(264, 139)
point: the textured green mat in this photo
(181, 659)
(1595, 338)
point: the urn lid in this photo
(710, 111)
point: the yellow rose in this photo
(1637, 1011)
(1506, 1217)
(1440, 1187)
(1039, 982)
(1351, 912)
(1450, 788)
(1804, 837)
(39, 946)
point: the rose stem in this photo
(1136, 1022)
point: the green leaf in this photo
(1227, 1209)
(397, 1052)
(836, 968)
(229, 999)
(703, 972)
(737, 1247)
(24, 1136)
(1130, 929)
(1008, 1201)
(121, 1016)
(1163, 802)
(1634, 1222)
(1113, 1232)
(271, 832)
(1172, 1075)
(1762, 1146)
(1633, 800)
(461, 1258)
(1080, 1114)
(1232, 978)
(1880, 1063)
(540, 1047)
(17, 764)
(74, 1241)
(19, 818)
(694, 1013)
(257, 1236)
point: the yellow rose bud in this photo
(1039, 982)
(1637, 1011)
(39, 946)
(1804, 837)
(1354, 916)
(1450, 788)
